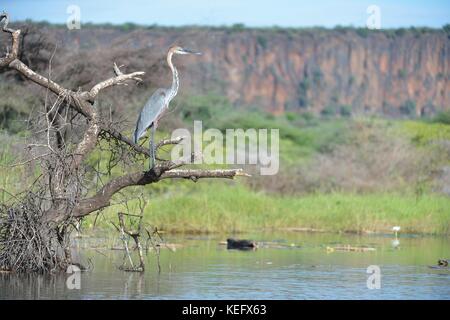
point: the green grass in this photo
(215, 207)
(423, 133)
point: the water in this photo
(293, 266)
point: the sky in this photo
(254, 13)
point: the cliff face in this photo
(308, 72)
(312, 70)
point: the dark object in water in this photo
(240, 244)
(80, 266)
(442, 264)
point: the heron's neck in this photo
(175, 79)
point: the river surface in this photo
(287, 266)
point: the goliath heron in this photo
(158, 103)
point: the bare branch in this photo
(119, 136)
(28, 160)
(87, 144)
(195, 174)
(103, 197)
(15, 34)
(120, 78)
(166, 142)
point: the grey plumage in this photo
(151, 112)
(158, 103)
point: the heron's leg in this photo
(152, 147)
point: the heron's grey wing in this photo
(150, 112)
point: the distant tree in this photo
(362, 32)
(402, 73)
(128, 26)
(345, 111)
(446, 28)
(443, 117)
(308, 116)
(400, 32)
(238, 27)
(291, 116)
(262, 41)
(303, 88)
(317, 76)
(328, 111)
(408, 108)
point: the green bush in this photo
(362, 32)
(128, 26)
(317, 76)
(408, 108)
(328, 111)
(345, 111)
(262, 41)
(351, 80)
(208, 108)
(303, 88)
(12, 120)
(291, 116)
(238, 27)
(442, 117)
(308, 116)
(402, 73)
(400, 32)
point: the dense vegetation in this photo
(350, 174)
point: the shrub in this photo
(402, 73)
(303, 88)
(400, 32)
(262, 41)
(345, 111)
(308, 116)
(351, 81)
(409, 108)
(238, 27)
(291, 116)
(362, 32)
(317, 76)
(328, 111)
(128, 26)
(442, 117)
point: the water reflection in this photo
(395, 244)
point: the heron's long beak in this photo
(192, 52)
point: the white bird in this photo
(395, 243)
(396, 229)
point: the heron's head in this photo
(180, 50)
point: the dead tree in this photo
(34, 228)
